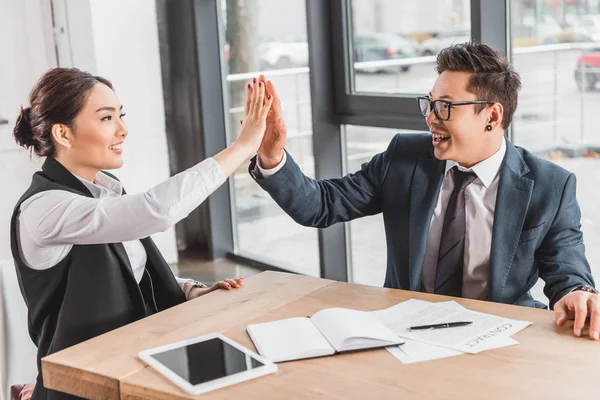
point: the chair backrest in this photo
(17, 351)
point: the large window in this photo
(364, 61)
(556, 50)
(278, 47)
(393, 42)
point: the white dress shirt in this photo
(51, 222)
(480, 203)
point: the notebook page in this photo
(351, 329)
(289, 339)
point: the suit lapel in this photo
(426, 183)
(512, 202)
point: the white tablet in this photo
(206, 363)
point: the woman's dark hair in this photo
(57, 97)
(492, 77)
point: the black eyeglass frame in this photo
(450, 104)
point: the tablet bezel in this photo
(267, 368)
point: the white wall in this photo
(23, 58)
(118, 39)
(114, 38)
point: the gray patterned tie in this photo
(448, 279)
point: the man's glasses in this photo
(442, 108)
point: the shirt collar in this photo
(102, 182)
(486, 170)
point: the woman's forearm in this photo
(233, 156)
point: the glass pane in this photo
(557, 104)
(367, 244)
(394, 43)
(263, 231)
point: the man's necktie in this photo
(448, 279)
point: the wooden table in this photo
(549, 362)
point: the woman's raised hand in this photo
(258, 104)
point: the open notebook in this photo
(325, 333)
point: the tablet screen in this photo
(206, 361)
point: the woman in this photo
(85, 262)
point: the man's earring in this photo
(488, 128)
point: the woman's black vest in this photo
(91, 291)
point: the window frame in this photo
(399, 110)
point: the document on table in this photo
(413, 351)
(486, 332)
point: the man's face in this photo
(463, 137)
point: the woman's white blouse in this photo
(51, 222)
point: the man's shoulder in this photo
(542, 168)
(411, 144)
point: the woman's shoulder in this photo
(43, 187)
(45, 201)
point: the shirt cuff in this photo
(186, 286)
(267, 173)
(584, 288)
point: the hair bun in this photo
(23, 133)
(26, 113)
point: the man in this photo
(466, 213)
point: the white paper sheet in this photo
(413, 351)
(488, 331)
(469, 339)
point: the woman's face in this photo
(98, 132)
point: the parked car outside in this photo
(434, 45)
(568, 36)
(283, 53)
(587, 71)
(589, 24)
(383, 46)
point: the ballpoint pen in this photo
(439, 326)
